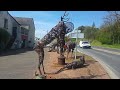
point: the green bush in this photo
(96, 43)
(4, 38)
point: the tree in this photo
(4, 38)
(93, 25)
(89, 31)
(112, 21)
(82, 28)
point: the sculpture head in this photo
(41, 44)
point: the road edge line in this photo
(111, 52)
(105, 66)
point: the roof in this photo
(23, 20)
(13, 18)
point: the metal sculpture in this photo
(73, 65)
(70, 46)
(40, 51)
(58, 32)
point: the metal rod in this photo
(76, 45)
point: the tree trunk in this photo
(113, 39)
(118, 40)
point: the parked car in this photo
(84, 44)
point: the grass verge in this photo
(97, 43)
(87, 58)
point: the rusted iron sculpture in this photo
(73, 65)
(70, 46)
(58, 32)
(40, 51)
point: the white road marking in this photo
(112, 52)
(105, 66)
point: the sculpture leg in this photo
(43, 68)
(58, 51)
(72, 53)
(40, 62)
(60, 70)
(68, 51)
(67, 54)
(39, 70)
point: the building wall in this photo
(31, 34)
(27, 24)
(17, 43)
(5, 15)
(11, 23)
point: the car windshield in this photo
(85, 43)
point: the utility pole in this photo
(76, 45)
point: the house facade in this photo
(22, 30)
(27, 31)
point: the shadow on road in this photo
(14, 52)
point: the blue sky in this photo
(46, 20)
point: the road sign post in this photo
(76, 45)
(76, 35)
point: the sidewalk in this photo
(14, 51)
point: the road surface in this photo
(20, 64)
(111, 60)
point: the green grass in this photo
(97, 43)
(87, 58)
(117, 46)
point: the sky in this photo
(45, 20)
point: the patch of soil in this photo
(91, 70)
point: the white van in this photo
(84, 44)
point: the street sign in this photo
(74, 35)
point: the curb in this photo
(105, 66)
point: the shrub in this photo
(4, 38)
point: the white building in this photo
(22, 30)
(27, 31)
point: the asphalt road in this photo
(111, 60)
(20, 64)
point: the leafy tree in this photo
(82, 28)
(89, 31)
(4, 38)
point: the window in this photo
(25, 26)
(22, 31)
(85, 43)
(14, 31)
(6, 23)
(26, 32)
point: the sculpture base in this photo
(61, 60)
